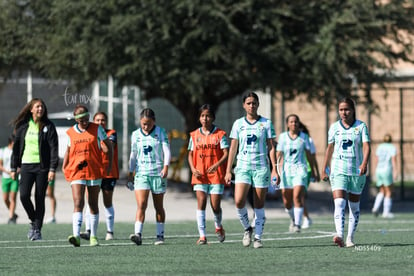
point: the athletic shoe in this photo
(349, 242)
(307, 222)
(388, 215)
(136, 238)
(85, 235)
(296, 229)
(93, 241)
(375, 213)
(291, 227)
(257, 243)
(338, 241)
(13, 219)
(221, 234)
(159, 240)
(30, 232)
(37, 236)
(75, 241)
(51, 220)
(109, 236)
(202, 241)
(247, 237)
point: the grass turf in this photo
(383, 247)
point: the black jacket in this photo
(48, 145)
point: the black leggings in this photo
(30, 174)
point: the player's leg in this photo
(201, 194)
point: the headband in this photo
(81, 115)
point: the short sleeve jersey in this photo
(294, 156)
(385, 152)
(252, 139)
(5, 156)
(148, 152)
(347, 155)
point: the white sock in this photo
(110, 218)
(138, 227)
(218, 219)
(76, 223)
(243, 217)
(86, 218)
(378, 202)
(339, 216)
(387, 205)
(201, 222)
(298, 213)
(291, 215)
(160, 229)
(353, 218)
(260, 221)
(94, 224)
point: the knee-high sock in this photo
(378, 202)
(243, 217)
(201, 222)
(218, 219)
(76, 223)
(387, 205)
(160, 229)
(87, 219)
(260, 221)
(353, 218)
(94, 224)
(291, 214)
(298, 213)
(138, 227)
(339, 216)
(110, 218)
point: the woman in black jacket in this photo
(35, 152)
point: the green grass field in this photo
(383, 247)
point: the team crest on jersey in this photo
(356, 131)
(199, 139)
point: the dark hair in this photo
(387, 138)
(304, 128)
(249, 94)
(147, 113)
(350, 103)
(292, 115)
(78, 107)
(10, 139)
(26, 113)
(100, 113)
(209, 108)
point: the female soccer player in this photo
(82, 168)
(293, 148)
(148, 169)
(252, 137)
(386, 172)
(208, 151)
(347, 155)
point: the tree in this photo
(192, 52)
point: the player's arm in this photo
(232, 155)
(366, 149)
(327, 161)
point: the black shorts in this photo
(108, 184)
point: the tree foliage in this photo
(192, 52)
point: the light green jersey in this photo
(385, 152)
(347, 155)
(252, 139)
(294, 155)
(147, 150)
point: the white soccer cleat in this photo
(109, 236)
(307, 222)
(247, 237)
(388, 215)
(349, 242)
(257, 243)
